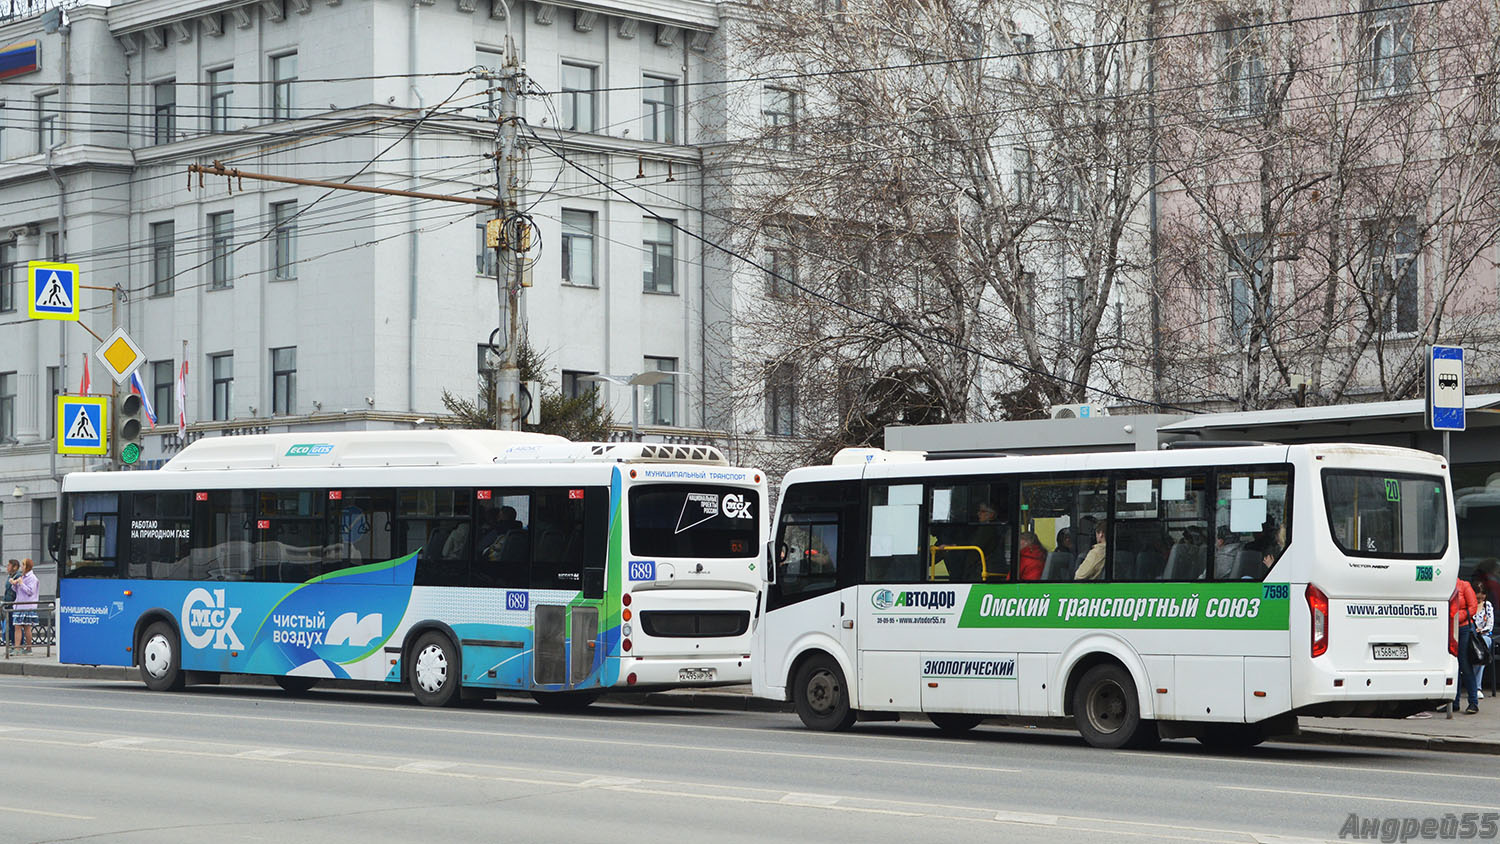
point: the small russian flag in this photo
(139, 389)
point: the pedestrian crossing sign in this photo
(81, 424)
(52, 290)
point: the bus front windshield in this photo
(686, 520)
(1384, 514)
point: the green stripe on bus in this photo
(1130, 606)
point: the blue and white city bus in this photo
(457, 562)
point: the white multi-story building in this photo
(295, 306)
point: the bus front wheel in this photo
(435, 677)
(821, 695)
(159, 655)
(1107, 710)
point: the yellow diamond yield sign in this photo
(120, 355)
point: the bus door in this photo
(565, 528)
(816, 551)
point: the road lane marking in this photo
(1026, 817)
(1374, 798)
(47, 814)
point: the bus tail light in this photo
(625, 644)
(1317, 605)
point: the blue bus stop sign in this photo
(1445, 388)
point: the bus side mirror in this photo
(769, 575)
(593, 583)
(54, 541)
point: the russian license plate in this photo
(690, 674)
(1390, 652)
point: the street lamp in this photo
(649, 378)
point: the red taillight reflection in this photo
(1452, 636)
(625, 599)
(1317, 607)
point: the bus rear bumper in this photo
(1376, 694)
(681, 672)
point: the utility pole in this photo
(512, 243)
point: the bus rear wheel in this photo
(1107, 711)
(160, 656)
(297, 685)
(954, 723)
(434, 672)
(821, 696)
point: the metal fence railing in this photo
(43, 633)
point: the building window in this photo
(8, 275)
(54, 389)
(1072, 308)
(578, 96)
(778, 107)
(163, 267)
(1024, 170)
(1244, 68)
(221, 367)
(489, 89)
(221, 230)
(163, 390)
(781, 401)
(283, 84)
(1388, 46)
(164, 112)
(484, 256)
(573, 385)
(658, 272)
(284, 381)
(220, 98)
(1246, 282)
(781, 272)
(1393, 274)
(659, 109)
(578, 247)
(48, 122)
(1022, 47)
(7, 405)
(661, 398)
(284, 242)
(54, 247)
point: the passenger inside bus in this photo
(1092, 567)
(1032, 557)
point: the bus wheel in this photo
(821, 696)
(158, 652)
(1107, 711)
(954, 723)
(565, 701)
(297, 685)
(434, 670)
(1231, 736)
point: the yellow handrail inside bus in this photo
(984, 569)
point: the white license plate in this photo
(689, 674)
(1390, 652)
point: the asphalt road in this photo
(86, 760)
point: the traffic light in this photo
(128, 428)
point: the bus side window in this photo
(811, 540)
(93, 534)
(969, 532)
(1251, 525)
(160, 546)
(223, 525)
(1161, 526)
(436, 521)
(896, 545)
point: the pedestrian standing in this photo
(1484, 626)
(25, 607)
(1462, 608)
(12, 569)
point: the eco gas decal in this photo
(1187, 606)
(925, 599)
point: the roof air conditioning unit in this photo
(1076, 411)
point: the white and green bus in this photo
(1208, 592)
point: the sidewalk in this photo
(1478, 733)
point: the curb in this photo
(737, 702)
